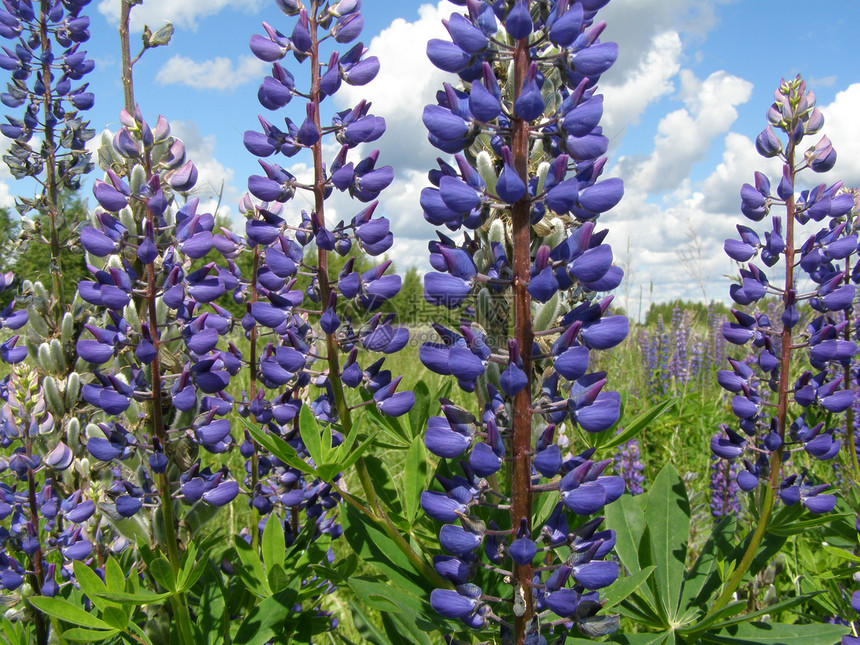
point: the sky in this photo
(683, 106)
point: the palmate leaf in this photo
(776, 634)
(623, 587)
(667, 516)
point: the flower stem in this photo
(521, 506)
(782, 409)
(332, 350)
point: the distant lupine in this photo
(628, 465)
(767, 434)
(724, 488)
(526, 186)
(47, 65)
(46, 96)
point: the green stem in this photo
(255, 463)
(775, 462)
(51, 192)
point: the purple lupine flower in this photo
(523, 386)
(786, 328)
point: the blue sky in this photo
(683, 106)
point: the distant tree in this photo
(30, 257)
(699, 310)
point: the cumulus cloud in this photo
(628, 96)
(684, 136)
(214, 178)
(182, 13)
(214, 74)
(843, 129)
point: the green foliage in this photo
(677, 603)
(700, 310)
(32, 261)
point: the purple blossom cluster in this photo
(724, 488)
(823, 260)
(628, 464)
(525, 185)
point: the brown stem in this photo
(521, 506)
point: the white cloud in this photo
(627, 98)
(182, 13)
(843, 130)
(213, 178)
(214, 74)
(684, 136)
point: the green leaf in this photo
(366, 627)
(357, 452)
(703, 579)
(383, 482)
(274, 544)
(268, 620)
(163, 573)
(310, 432)
(115, 617)
(796, 528)
(213, 619)
(667, 514)
(842, 553)
(372, 545)
(249, 568)
(64, 610)
(641, 422)
(414, 478)
(626, 518)
(777, 634)
(770, 609)
(114, 577)
(420, 412)
(640, 639)
(90, 584)
(140, 597)
(623, 587)
(88, 635)
(280, 448)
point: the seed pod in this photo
(486, 170)
(67, 327)
(73, 390)
(82, 465)
(138, 178)
(41, 298)
(58, 356)
(546, 313)
(542, 171)
(44, 358)
(93, 431)
(131, 317)
(497, 231)
(73, 432)
(53, 397)
(126, 217)
(36, 322)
